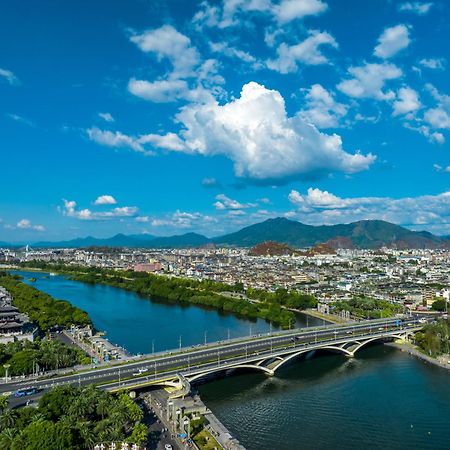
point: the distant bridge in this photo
(266, 353)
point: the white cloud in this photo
(26, 224)
(319, 206)
(255, 132)
(391, 41)
(114, 139)
(70, 210)
(9, 77)
(368, 81)
(433, 63)
(416, 7)
(170, 141)
(439, 168)
(225, 49)
(322, 110)
(282, 12)
(105, 200)
(184, 220)
(438, 118)
(21, 119)
(289, 10)
(107, 117)
(407, 101)
(434, 137)
(167, 42)
(142, 219)
(159, 91)
(306, 52)
(224, 202)
(210, 182)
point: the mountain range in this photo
(365, 234)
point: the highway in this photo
(194, 360)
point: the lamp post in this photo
(204, 335)
(6, 367)
(153, 346)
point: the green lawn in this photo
(205, 441)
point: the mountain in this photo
(119, 240)
(131, 241)
(361, 234)
(370, 234)
(179, 241)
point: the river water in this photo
(134, 321)
(382, 399)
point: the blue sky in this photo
(170, 116)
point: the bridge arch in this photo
(229, 367)
(294, 355)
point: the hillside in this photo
(361, 234)
(370, 234)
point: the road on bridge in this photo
(192, 360)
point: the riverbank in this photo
(329, 318)
(183, 291)
(414, 351)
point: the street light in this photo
(206, 332)
(6, 367)
(153, 346)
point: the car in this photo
(168, 447)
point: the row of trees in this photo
(41, 308)
(434, 338)
(25, 357)
(72, 418)
(270, 306)
(290, 299)
(367, 308)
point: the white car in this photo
(168, 447)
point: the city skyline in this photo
(209, 116)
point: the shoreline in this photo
(413, 351)
(329, 318)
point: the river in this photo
(134, 322)
(381, 399)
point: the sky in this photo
(170, 116)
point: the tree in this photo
(439, 305)
(3, 403)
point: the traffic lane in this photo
(114, 373)
(107, 374)
(168, 372)
(214, 365)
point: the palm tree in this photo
(103, 407)
(8, 419)
(85, 430)
(7, 437)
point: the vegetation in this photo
(72, 418)
(434, 338)
(367, 308)
(268, 306)
(290, 299)
(205, 440)
(439, 305)
(24, 357)
(41, 308)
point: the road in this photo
(191, 359)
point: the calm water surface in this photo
(382, 399)
(133, 321)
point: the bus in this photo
(26, 391)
